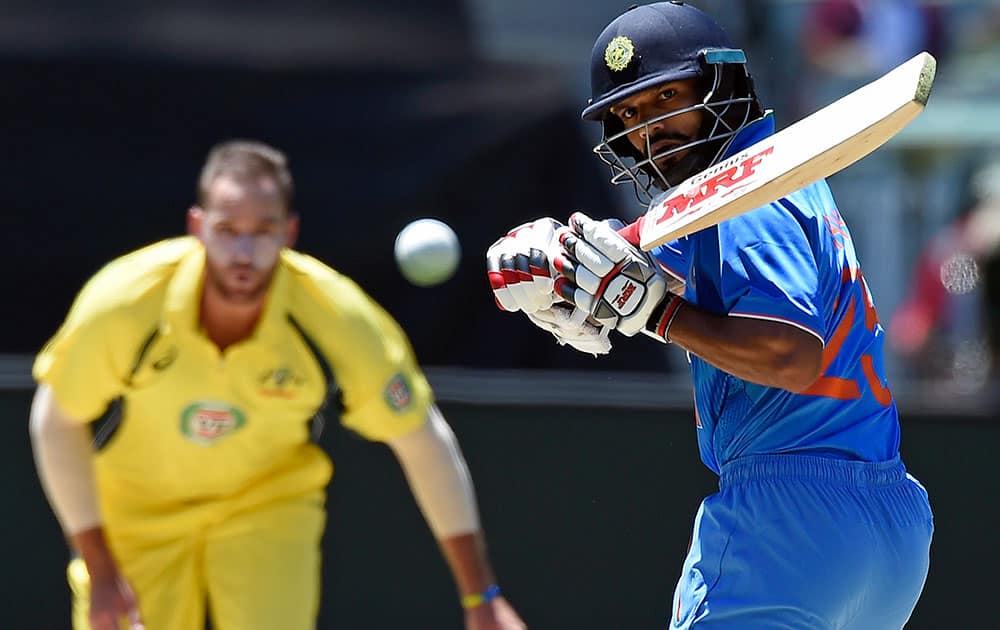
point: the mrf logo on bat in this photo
(718, 182)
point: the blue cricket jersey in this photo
(791, 261)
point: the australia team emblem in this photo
(207, 422)
(281, 382)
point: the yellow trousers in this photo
(255, 569)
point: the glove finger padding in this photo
(570, 327)
(601, 244)
(576, 273)
(519, 266)
(622, 285)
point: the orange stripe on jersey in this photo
(849, 389)
(880, 391)
(834, 386)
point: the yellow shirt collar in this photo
(183, 298)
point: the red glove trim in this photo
(631, 231)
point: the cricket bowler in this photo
(206, 364)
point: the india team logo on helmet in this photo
(619, 53)
(207, 422)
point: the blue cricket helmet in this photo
(658, 43)
(649, 45)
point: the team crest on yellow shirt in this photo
(619, 53)
(397, 393)
(282, 382)
(207, 422)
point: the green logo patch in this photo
(207, 422)
(397, 393)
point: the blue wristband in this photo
(478, 599)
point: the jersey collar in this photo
(183, 297)
(180, 307)
(752, 134)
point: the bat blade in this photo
(815, 147)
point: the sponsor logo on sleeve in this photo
(397, 393)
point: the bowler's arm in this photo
(441, 484)
(64, 459)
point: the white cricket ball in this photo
(427, 252)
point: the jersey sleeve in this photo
(673, 258)
(769, 270)
(386, 395)
(81, 363)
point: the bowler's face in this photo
(243, 225)
(663, 135)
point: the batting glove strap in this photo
(658, 326)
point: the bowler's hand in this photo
(111, 599)
(495, 614)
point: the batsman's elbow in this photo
(796, 360)
(800, 371)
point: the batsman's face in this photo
(243, 225)
(657, 120)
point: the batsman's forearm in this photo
(760, 351)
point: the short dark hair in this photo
(246, 159)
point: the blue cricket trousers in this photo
(794, 541)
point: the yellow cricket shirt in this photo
(199, 426)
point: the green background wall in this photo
(588, 514)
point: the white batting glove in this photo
(616, 283)
(519, 266)
(570, 328)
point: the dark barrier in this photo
(588, 514)
(482, 146)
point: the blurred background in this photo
(468, 111)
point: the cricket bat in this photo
(815, 147)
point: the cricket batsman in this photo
(817, 524)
